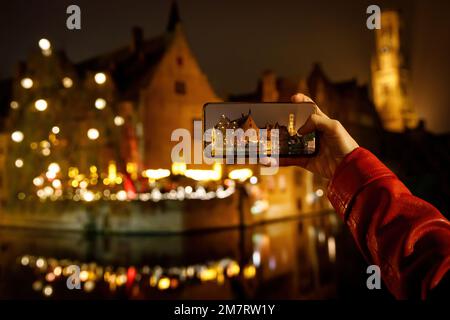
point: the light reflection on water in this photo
(307, 258)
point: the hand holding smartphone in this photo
(258, 129)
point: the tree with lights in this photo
(64, 131)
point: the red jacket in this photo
(405, 236)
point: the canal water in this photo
(306, 258)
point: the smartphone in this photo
(258, 129)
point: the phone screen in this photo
(241, 129)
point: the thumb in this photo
(317, 122)
(300, 97)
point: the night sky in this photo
(262, 114)
(235, 41)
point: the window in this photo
(180, 87)
(282, 182)
(179, 61)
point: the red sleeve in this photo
(405, 236)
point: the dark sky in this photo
(236, 40)
(262, 114)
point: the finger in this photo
(317, 122)
(268, 161)
(300, 97)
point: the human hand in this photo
(335, 142)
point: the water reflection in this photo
(297, 259)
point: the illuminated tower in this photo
(291, 127)
(389, 78)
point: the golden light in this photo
(83, 184)
(156, 174)
(40, 263)
(84, 275)
(88, 196)
(57, 271)
(73, 172)
(50, 175)
(50, 277)
(249, 272)
(44, 144)
(121, 195)
(310, 198)
(164, 283)
(38, 181)
(205, 175)
(112, 171)
(132, 169)
(40, 105)
(217, 167)
(121, 280)
(44, 44)
(119, 121)
(40, 193)
(17, 136)
(233, 269)
(18, 163)
(208, 274)
(100, 103)
(199, 175)
(14, 105)
(100, 78)
(48, 291)
(319, 192)
(55, 130)
(332, 248)
(54, 167)
(240, 174)
(26, 83)
(48, 191)
(25, 260)
(93, 134)
(89, 286)
(67, 82)
(178, 168)
(259, 207)
(46, 152)
(56, 183)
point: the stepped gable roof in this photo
(240, 121)
(129, 67)
(132, 66)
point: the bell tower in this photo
(390, 78)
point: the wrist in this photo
(355, 170)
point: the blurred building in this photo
(101, 130)
(108, 122)
(161, 80)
